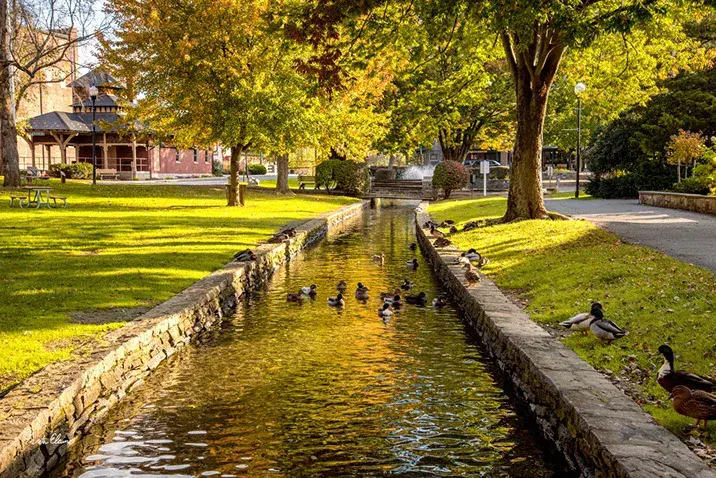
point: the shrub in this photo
(499, 172)
(54, 170)
(348, 176)
(324, 174)
(257, 169)
(80, 170)
(693, 185)
(217, 168)
(628, 184)
(449, 176)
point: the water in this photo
(418, 172)
(305, 390)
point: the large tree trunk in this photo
(282, 178)
(233, 193)
(533, 75)
(457, 149)
(10, 158)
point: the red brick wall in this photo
(186, 165)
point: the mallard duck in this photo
(362, 292)
(447, 223)
(694, 403)
(389, 295)
(412, 264)
(440, 301)
(470, 226)
(442, 242)
(471, 274)
(419, 299)
(430, 225)
(413, 246)
(581, 321)
(407, 284)
(379, 259)
(310, 291)
(245, 256)
(336, 301)
(385, 311)
(342, 285)
(669, 378)
(453, 229)
(435, 233)
(605, 329)
(294, 298)
(394, 301)
(278, 238)
(473, 256)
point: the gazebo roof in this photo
(69, 122)
(102, 100)
(97, 78)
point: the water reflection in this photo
(304, 389)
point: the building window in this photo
(178, 155)
(196, 155)
(206, 156)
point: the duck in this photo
(473, 256)
(447, 223)
(362, 292)
(342, 285)
(394, 301)
(412, 264)
(430, 224)
(580, 322)
(279, 238)
(694, 403)
(419, 299)
(453, 229)
(469, 226)
(669, 378)
(471, 274)
(294, 298)
(440, 301)
(413, 246)
(336, 301)
(385, 311)
(442, 242)
(379, 259)
(605, 329)
(407, 284)
(245, 256)
(436, 233)
(310, 291)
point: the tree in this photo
(450, 176)
(214, 71)
(685, 147)
(35, 37)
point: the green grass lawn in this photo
(560, 266)
(117, 247)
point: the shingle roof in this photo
(97, 78)
(102, 100)
(74, 122)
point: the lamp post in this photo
(93, 96)
(578, 90)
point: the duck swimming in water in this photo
(407, 284)
(394, 301)
(390, 295)
(604, 329)
(362, 292)
(419, 299)
(336, 301)
(669, 378)
(412, 264)
(413, 246)
(385, 311)
(440, 301)
(379, 259)
(342, 285)
(580, 322)
(310, 291)
(294, 298)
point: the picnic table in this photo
(35, 196)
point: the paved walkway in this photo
(687, 236)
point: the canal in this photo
(307, 390)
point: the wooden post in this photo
(105, 152)
(134, 158)
(242, 194)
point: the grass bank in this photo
(560, 266)
(116, 251)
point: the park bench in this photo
(107, 173)
(20, 200)
(306, 180)
(61, 198)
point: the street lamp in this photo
(93, 95)
(578, 90)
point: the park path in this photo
(684, 235)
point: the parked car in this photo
(475, 163)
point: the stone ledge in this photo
(687, 202)
(597, 428)
(64, 399)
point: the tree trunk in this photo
(10, 157)
(282, 178)
(233, 193)
(462, 141)
(678, 170)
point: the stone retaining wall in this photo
(49, 411)
(597, 428)
(688, 202)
